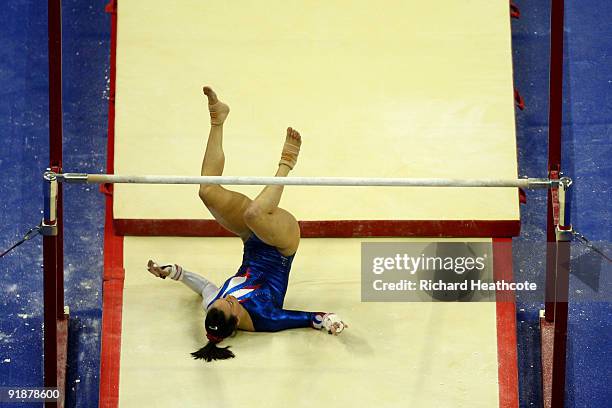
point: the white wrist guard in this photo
(328, 321)
(176, 271)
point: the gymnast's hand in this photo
(333, 324)
(155, 269)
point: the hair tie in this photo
(213, 338)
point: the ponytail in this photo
(218, 327)
(211, 352)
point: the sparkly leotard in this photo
(260, 286)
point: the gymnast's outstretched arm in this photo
(274, 319)
(193, 281)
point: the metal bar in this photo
(53, 289)
(565, 206)
(529, 183)
(555, 87)
(556, 309)
(50, 313)
(564, 237)
(50, 192)
(55, 82)
(551, 254)
(59, 276)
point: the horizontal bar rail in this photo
(526, 183)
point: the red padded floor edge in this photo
(112, 288)
(331, 229)
(507, 358)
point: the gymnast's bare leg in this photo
(235, 211)
(272, 224)
(226, 206)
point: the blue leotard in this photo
(260, 286)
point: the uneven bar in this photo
(528, 183)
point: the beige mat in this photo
(393, 355)
(396, 89)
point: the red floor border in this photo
(507, 355)
(331, 229)
(112, 286)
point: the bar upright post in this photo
(53, 248)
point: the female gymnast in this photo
(253, 298)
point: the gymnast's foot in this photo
(218, 110)
(291, 149)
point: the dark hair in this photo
(217, 327)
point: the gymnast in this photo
(253, 298)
